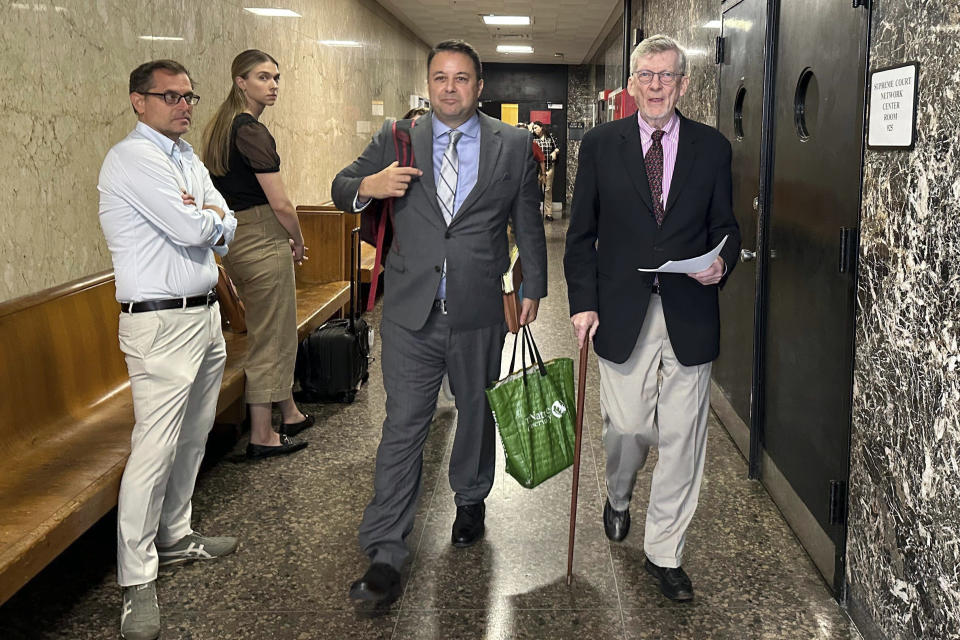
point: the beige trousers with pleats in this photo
(652, 400)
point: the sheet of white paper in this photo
(691, 265)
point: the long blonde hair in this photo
(216, 135)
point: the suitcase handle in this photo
(355, 258)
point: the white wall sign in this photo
(893, 107)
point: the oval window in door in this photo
(806, 102)
(738, 112)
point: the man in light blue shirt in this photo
(163, 221)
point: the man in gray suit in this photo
(443, 308)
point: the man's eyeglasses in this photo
(172, 97)
(666, 77)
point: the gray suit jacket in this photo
(475, 243)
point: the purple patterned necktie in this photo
(654, 163)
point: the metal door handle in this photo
(746, 255)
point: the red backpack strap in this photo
(403, 147)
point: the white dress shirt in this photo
(161, 248)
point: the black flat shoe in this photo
(674, 582)
(286, 446)
(381, 583)
(293, 428)
(468, 526)
(616, 524)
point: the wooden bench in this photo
(67, 412)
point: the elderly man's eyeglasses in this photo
(666, 77)
(172, 97)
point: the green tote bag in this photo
(534, 410)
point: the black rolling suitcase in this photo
(332, 361)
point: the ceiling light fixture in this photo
(273, 13)
(341, 43)
(507, 20)
(713, 24)
(162, 38)
(514, 48)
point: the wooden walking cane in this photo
(581, 384)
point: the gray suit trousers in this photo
(413, 364)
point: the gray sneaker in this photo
(196, 547)
(140, 617)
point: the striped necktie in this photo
(447, 194)
(449, 170)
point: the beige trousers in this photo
(261, 266)
(548, 191)
(175, 360)
(653, 400)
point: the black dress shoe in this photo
(381, 583)
(286, 446)
(293, 428)
(468, 527)
(674, 582)
(616, 524)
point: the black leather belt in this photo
(172, 303)
(441, 306)
(655, 288)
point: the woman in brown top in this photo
(243, 162)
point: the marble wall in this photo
(695, 25)
(902, 551)
(65, 74)
(581, 104)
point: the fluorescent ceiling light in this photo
(507, 20)
(514, 48)
(341, 43)
(163, 38)
(274, 13)
(713, 24)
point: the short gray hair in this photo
(658, 44)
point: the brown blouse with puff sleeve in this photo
(252, 151)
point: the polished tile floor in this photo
(297, 520)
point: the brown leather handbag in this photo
(511, 296)
(232, 312)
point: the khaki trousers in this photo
(175, 359)
(261, 266)
(548, 191)
(653, 400)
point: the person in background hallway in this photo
(163, 220)
(651, 188)
(539, 158)
(442, 306)
(548, 144)
(242, 157)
